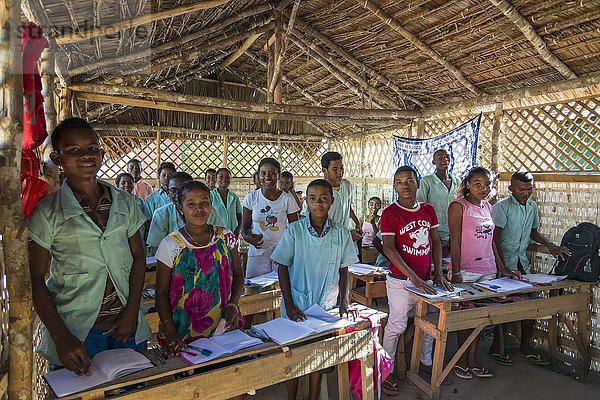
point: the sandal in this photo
(481, 372)
(502, 359)
(390, 388)
(535, 359)
(462, 373)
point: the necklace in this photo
(192, 238)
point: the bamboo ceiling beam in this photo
(215, 105)
(137, 21)
(532, 36)
(418, 43)
(321, 55)
(200, 132)
(238, 53)
(173, 44)
(512, 95)
(384, 80)
(286, 38)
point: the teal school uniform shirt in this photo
(381, 261)
(156, 200)
(433, 191)
(516, 221)
(166, 220)
(83, 257)
(340, 208)
(228, 212)
(314, 263)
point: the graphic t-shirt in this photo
(411, 229)
(269, 218)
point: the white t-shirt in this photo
(168, 249)
(269, 218)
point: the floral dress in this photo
(201, 280)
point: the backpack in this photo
(584, 263)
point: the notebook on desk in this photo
(206, 349)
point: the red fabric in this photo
(32, 190)
(411, 229)
(34, 123)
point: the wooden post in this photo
(12, 221)
(225, 151)
(421, 128)
(65, 110)
(277, 55)
(158, 156)
(496, 137)
(50, 170)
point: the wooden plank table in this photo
(270, 364)
(564, 296)
(374, 285)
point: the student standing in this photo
(167, 219)
(141, 188)
(160, 197)
(474, 257)
(516, 219)
(370, 225)
(313, 256)
(226, 202)
(210, 178)
(410, 242)
(286, 184)
(266, 214)
(124, 181)
(88, 232)
(438, 189)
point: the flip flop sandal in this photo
(462, 373)
(427, 369)
(502, 359)
(390, 388)
(481, 372)
(535, 359)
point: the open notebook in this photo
(106, 366)
(283, 330)
(264, 280)
(441, 292)
(503, 285)
(203, 350)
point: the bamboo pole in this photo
(233, 106)
(47, 63)
(158, 156)
(283, 42)
(275, 84)
(177, 130)
(238, 53)
(225, 162)
(478, 103)
(418, 43)
(534, 38)
(496, 138)
(384, 80)
(12, 221)
(218, 26)
(137, 21)
(65, 110)
(304, 43)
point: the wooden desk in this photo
(374, 285)
(273, 364)
(369, 255)
(268, 301)
(576, 300)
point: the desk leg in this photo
(583, 333)
(343, 381)
(439, 352)
(368, 286)
(415, 358)
(553, 333)
(366, 371)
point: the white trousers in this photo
(402, 305)
(260, 264)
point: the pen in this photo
(493, 286)
(204, 352)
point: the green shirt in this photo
(433, 191)
(229, 211)
(156, 200)
(517, 221)
(83, 257)
(339, 212)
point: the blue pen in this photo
(493, 286)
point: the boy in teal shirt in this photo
(226, 202)
(88, 231)
(313, 256)
(160, 197)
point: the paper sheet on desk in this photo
(363, 269)
(543, 278)
(503, 285)
(441, 292)
(227, 343)
(264, 280)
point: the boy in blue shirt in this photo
(313, 257)
(160, 197)
(88, 231)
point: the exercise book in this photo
(441, 292)
(106, 366)
(263, 280)
(206, 349)
(503, 285)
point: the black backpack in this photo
(584, 263)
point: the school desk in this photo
(373, 285)
(267, 301)
(566, 296)
(270, 364)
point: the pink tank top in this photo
(476, 250)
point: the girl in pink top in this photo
(473, 253)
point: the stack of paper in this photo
(441, 292)
(363, 269)
(503, 285)
(283, 330)
(150, 261)
(543, 278)
(106, 366)
(264, 280)
(203, 350)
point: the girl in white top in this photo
(266, 214)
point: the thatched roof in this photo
(340, 53)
